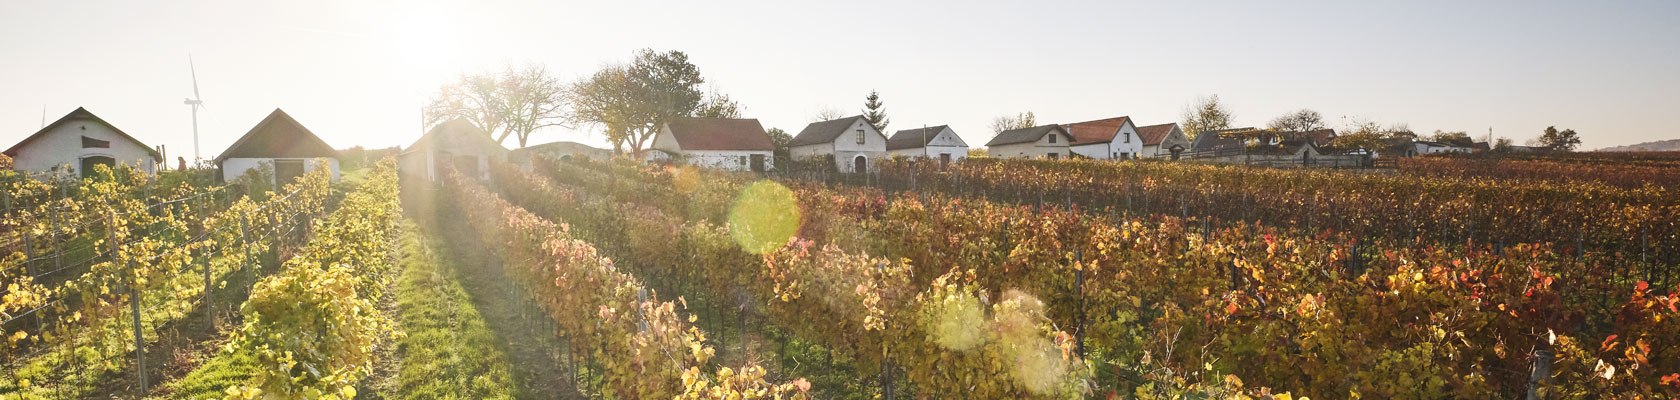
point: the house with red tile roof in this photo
(1105, 139)
(722, 143)
(1163, 141)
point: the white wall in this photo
(233, 168)
(1126, 143)
(1094, 150)
(731, 160)
(63, 145)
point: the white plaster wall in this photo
(233, 168)
(1126, 142)
(1094, 150)
(63, 145)
(729, 160)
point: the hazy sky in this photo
(356, 72)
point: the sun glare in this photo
(426, 39)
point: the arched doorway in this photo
(89, 162)
(860, 164)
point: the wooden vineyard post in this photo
(1079, 286)
(1541, 375)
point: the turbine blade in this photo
(194, 76)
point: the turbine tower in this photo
(196, 104)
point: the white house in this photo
(722, 143)
(456, 143)
(1425, 148)
(1164, 140)
(76, 143)
(1048, 141)
(852, 142)
(1105, 139)
(932, 142)
(281, 143)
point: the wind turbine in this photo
(196, 104)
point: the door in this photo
(860, 164)
(758, 163)
(89, 162)
(944, 160)
(467, 165)
(286, 171)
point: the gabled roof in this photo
(457, 135)
(720, 134)
(1098, 131)
(278, 136)
(1024, 135)
(80, 114)
(914, 138)
(821, 132)
(1153, 135)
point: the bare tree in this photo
(827, 114)
(517, 102)
(1012, 122)
(1302, 120)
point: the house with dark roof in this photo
(456, 143)
(76, 143)
(932, 142)
(1220, 141)
(282, 144)
(1046, 141)
(722, 143)
(1163, 141)
(1105, 139)
(853, 144)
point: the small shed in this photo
(77, 142)
(1047, 141)
(283, 144)
(456, 143)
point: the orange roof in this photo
(1153, 135)
(1099, 131)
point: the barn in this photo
(281, 143)
(456, 143)
(722, 143)
(76, 143)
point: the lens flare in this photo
(685, 179)
(764, 217)
(959, 322)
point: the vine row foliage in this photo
(143, 241)
(1167, 305)
(645, 348)
(312, 328)
(946, 334)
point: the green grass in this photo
(211, 380)
(448, 351)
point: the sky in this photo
(357, 72)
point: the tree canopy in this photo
(1298, 121)
(1564, 140)
(1207, 114)
(1012, 122)
(516, 102)
(631, 101)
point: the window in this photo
(1125, 156)
(1052, 139)
(860, 136)
(1128, 136)
(742, 162)
(91, 143)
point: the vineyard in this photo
(1450, 278)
